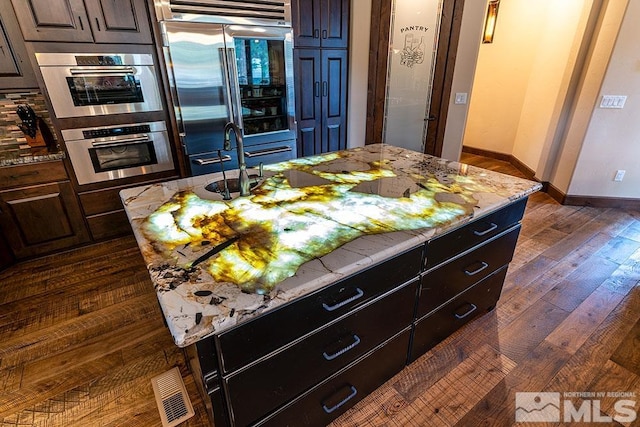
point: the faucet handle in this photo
(260, 170)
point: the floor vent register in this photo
(172, 398)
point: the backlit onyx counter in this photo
(298, 300)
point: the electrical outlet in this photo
(619, 175)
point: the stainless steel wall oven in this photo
(113, 152)
(85, 84)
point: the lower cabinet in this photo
(43, 217)
(281, 377)
(441, 323)
(105, 214)
(331, 398)
(308, 361)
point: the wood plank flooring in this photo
(81, 334)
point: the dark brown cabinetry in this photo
(463, 275)
(321, 86)
(99, 21)
(294, 350)
(105, 214)
(321, 23)
(321, 70)
(15, 70)
(39, 212)
(307, 362)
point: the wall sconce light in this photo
(490, 21)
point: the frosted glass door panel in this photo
(412, 50)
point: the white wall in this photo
(523, 76)
(612, 139)
(358, 71)
(559, 35)
(463, 74)
(583, 117)
(502, 76)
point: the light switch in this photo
(461, 98)
(613, 101)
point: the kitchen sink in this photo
(233, 184)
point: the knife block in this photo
(37, 141)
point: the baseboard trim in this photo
(602, 202)
(487, 153)
(510, 158)
(554, 192)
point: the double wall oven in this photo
(102, 89)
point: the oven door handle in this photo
(128, 141)
(103, 70)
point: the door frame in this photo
(448, 38)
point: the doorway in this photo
(433, 110)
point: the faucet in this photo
(243, 179)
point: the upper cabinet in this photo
(321, 23)
(15, 70)
(98, 21)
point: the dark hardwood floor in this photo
(81, 333)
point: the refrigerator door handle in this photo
(235, 98)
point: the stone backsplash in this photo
(13, 144)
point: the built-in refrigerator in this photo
(230, 72)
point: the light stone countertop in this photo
(308, 223)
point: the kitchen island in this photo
(335, 265)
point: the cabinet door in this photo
(8, 65)
(308, 82)
(334, 31)
(321, 23)
(119, 21)
(334, 100)
(41, 219)
(53, 20)
(305, 15)
(15, 70)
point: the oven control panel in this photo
(115, 131)
(99, 60)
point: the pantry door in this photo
(409, 90)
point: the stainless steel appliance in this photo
(92, 84)
(231, 62)
(112, 152)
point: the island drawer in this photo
(333, 397)
(259, 336)
(445, 282)
(479, 230)
(281, 377)
(437, 326)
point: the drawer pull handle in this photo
(492, 227)
(359, 294)
(356, 341)
(267, 151)
(483, 265)
(468, 312)
(214, 160)
(24, 175)
(342, 402)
